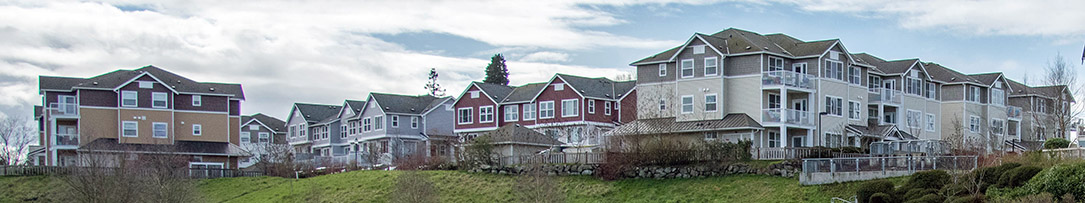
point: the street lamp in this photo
(818, 137)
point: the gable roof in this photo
(597, 87)
(885, 66)
(517, 134)
(403, 104)
(355, 105)
(941, 73)
(986, 78)
(1017, 87)
(670, 125)
(316, 113)
(738, 41)
(495, 91)
(524, 92)
(117, 78)
(276, 125)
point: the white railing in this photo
(759, 153)
(890, 148)
(67, 139)
(886, 96)
(553, 158)
(1013, 112)
(787, 78)
(884, 164)
(788, 116)
(63, 109)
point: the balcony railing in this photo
(63, 109)
(67, 139)
(1013, 112)
(788, 116)
(890, 96)
(787, 78)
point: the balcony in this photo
(787, 78)
(788, 116)
(67, 140)
(63, 109)
(1013, 112)
(888, 96)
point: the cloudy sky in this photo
(327, 51)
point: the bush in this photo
(880, 198)
(989, 176)
(1018, 176)
(929, 198)
(1059, 180)
(927, 180)
(412, 186)
(917, 193)
(869, 189)
(954, 190)
(966, 199)
(1056, 143)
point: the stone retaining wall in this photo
(785, 169)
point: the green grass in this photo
(456, 186)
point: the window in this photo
(342, 131)
(931, 90)
(834, 69)
(254, 127)
(128, 98)
(570, 108)
(546, 109)
(710, 66)
(913, 85)
(973, 94)
(464, 115)
(378, 122)
(856, 75)
(158, 100)
(245, 138)
(395, 121)
(832, 140)
(710, 103)
(663, 69)
(265, 137)
(687, 68)
(698, 49)
(687, 104)
(414, 122)
(711, 135)
(160, 130)
(834, 106)
(913, 118)
(998, 95)
(776, 64)
(197, 130)
(855, 110)
(512, 113)
(774, 101)
(367, 124)
(930, 122)
(474, 94)
(974, 124)
(774, 139)
(662, 104)
(559, 87)
(591, 106)
(997, 126)
(874, 84)
(1041, 106)
(606, 107)
(485, 114)
(197, 100)
(146, 85)
(834, 55)
(529, 111)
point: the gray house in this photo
(258, 132)
(309, 129)
(390, 126)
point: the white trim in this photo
(196, 132)
(393, 121)
(153, 130)
(534, 111)
(563, 107)
(682, 69)
(480, 114)
(471, 118)
(716, 102)
(197, 100)
(715, 66)
(663, 70)
(152, 77)
(682, 104)
(471, 130)
(591, 106)
(135, 98)
(515, 112)
(165, 100)
(124, 128)
(553, 110)
(414, 122)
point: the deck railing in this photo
(885, 164)
(788, 116)
(63, 109)
(66, 170)
(553, 158)
(890, 96)
(776, 153)
(787, 78)
(67, 139)
(889, 148)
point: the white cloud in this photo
(546, 56)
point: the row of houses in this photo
(776, 90)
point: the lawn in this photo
(456, 186)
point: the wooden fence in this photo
(60, 170)
(554, 158)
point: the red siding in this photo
(548, 94)
(629, 107)
(53, 97)
(99, 98)
(600, 112)
(466, 101)
(209, 103)
(143, 98)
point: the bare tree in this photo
(1060, 79)
(138, 175)
(16, 134)
(955, 137)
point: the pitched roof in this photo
(524, 92)
(179, 146)
(356, 105)
(120, 77)
(393, 103)
(514, 133)
(271, 122)
(1018, 88)
(986, 78)
(885, 66)
(670, 125)
(496, 92)
(316, 113)
(941, 73)
(597, 87)
(738, 41)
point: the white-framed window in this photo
(913, 118)
(246, 137)
(159, 130)
(662, 69)
(512, 113)
(367, 124)
(264, 137)
(932, 90)
(930, 122)
(973, 94)
(464, 115)
(687, 103)
(834, 55)
(834, 105)
(570, 107)
(834, 70)
(158, 99)
(662, 104)
(343, 131)
(395, 121)
(856, 75)
(687, 68)
(559, 87)
(774, 139)
(197, 100)
(529, 111)
(698, 49)
(414, 122)
(128, 98)
(146, 85)
(998, 126)
(711, 135)
(998, 96)
(130, 129)
(832, 140)
(711, 67)
(197, 130)
(378, 122)
(254, 127)
(606, 106)
(474, 94)
(776, 64)
(774, 101)
(591, 106)
(974, 123)
(1041, 105)
(855, 110)
(710, 103)
(485, 114)
(546, 109)
(874, 83)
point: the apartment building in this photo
(139, 113)
(310, 128)
(259, 134)
(572, 109)
(779, 92)
(393, 126)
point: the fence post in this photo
(857, 165)
(935, 163)
(883, 165)
(975, 162)
(832, 165)
(955, 167)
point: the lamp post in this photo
(820, 115)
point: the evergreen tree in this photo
(497, 72)
(432, 87)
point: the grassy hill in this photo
(456, 186)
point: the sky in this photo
(289, 51)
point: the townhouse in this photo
(394, 126)
(782, 92)
(572, 109)
(138, 113)
(259, 134)
(310, 128)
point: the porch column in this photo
(784, 116)
(809, 138)
(783, 136)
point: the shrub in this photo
(986, 177)
(412, 186)
(954, 190)
(966, 199)
(927, 180)
(1059, 180)
(869, 189)
(929, 198)
(1056, 143)
(880, 198)
(1018, 176)
(917, 193)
